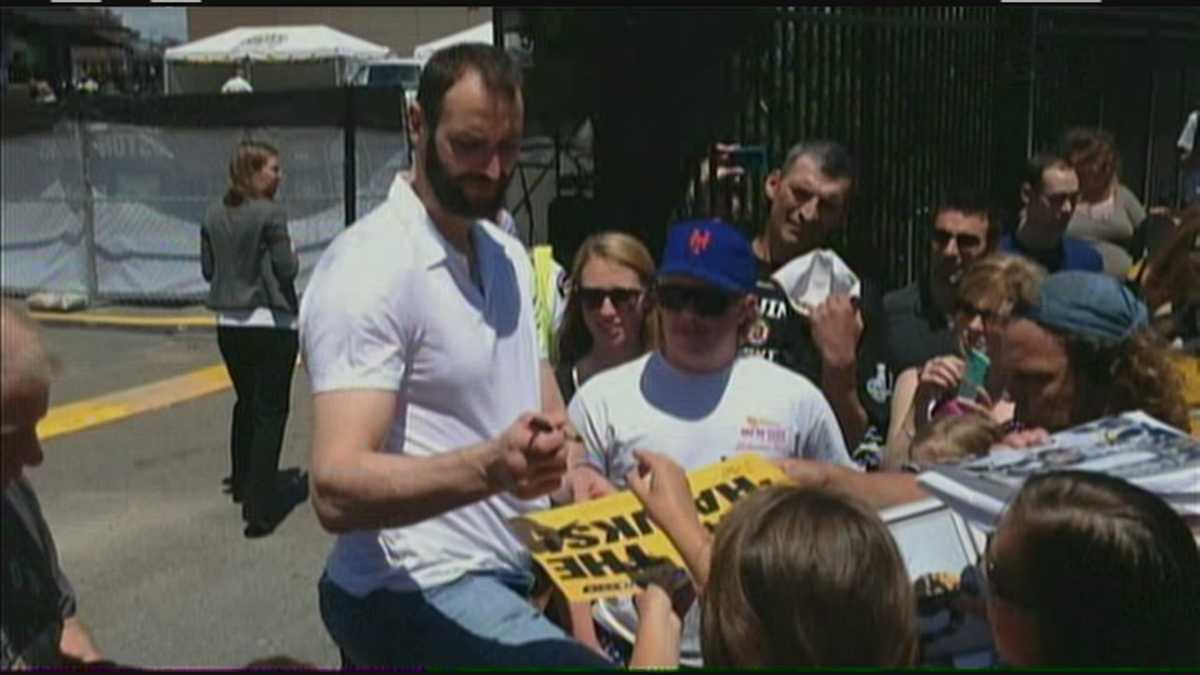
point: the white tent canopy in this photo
(481, 33)
(278, 57)
(275, 43)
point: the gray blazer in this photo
(246, 256)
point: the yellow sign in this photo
(593, 550)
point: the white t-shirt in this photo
(392, 306)
(236, 85)
(752, 406)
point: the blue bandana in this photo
(1090, 305)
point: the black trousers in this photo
(260, 363)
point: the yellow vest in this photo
(1188, 367)
(544, 297)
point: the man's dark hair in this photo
(972, 202)
(500, 74)
(831, 158)
(1036, 166)
(1086, 142)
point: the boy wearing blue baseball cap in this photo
(696, 399)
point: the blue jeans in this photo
(477, 620)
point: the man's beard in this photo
(449, 192)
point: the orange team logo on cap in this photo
(699, 241)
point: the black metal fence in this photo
(1133, 72)
(933, 98)
(908, 90)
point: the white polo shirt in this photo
(392, 306)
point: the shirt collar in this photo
(434, 248)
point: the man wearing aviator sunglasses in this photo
(1048, 196)
(697, 399)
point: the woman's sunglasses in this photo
(704, 301)
(621, 298)
(969, 311)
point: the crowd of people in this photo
(460, 380)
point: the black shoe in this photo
(292, 490)
(262, 521)
(259, 528)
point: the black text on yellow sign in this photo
(592, 550)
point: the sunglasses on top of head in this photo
(621, 298)
(704, 301)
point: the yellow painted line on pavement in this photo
(127, 320)
(93, 412)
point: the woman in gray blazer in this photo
(250, 262)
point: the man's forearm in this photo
(840, 385)
(375, 490)
(878, 490)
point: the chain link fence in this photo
(104, 199)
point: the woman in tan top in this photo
(1108, 213)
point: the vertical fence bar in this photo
(349, 158)
(1033, 79)
(1151, 47)
(91, 278)
(789, 131)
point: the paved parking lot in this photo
(155, 550)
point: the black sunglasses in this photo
(970, 311)
(941, 238)
(704, 301)
(621, 298)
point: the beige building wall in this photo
(399, 28)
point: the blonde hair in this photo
(953, 438)
(999, 280)
(574, 340)
(249, 157)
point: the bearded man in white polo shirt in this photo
(430, 428)
(696, 399)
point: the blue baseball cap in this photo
(1088, 304)
(711, 251)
